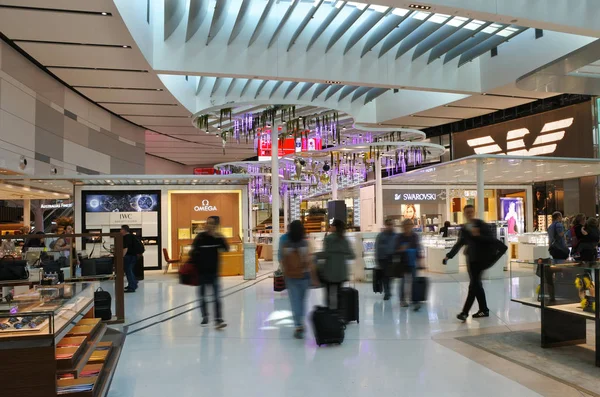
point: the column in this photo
(529, 208)
(334, 183)
(27, 214)
(250, 215)
(378, 196)
(480, 189)
(275, 191)
(286, 209)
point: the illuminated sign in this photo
(415, 196)
(124, 218)
(56, 205)
(206, 207)
(287, 146)
(545, 142)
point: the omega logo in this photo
(206, 207)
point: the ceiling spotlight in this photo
(105, 13)
(344, 128)
(419, 7)
(126, 46)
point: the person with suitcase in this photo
(297, 267)
(408, 247)
(337, 252)
(385, 245)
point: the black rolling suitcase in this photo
(419, 289)
(327, 326)
(348, 304)
(138, 269)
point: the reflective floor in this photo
(391, 352)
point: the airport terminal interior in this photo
(299, 198)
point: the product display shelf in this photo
(565, 301)
(436, 249)
(364, 249)
(62, 350)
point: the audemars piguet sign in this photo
(565, 132)
(125, 218)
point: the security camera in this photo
(22, 163)
(53, 171)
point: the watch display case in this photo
(566, 293)
(536, 238)
(58, 345)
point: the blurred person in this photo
(205, 255)
(66, 245)
(34, 242)
(385, 247)
(7, 245)
(575, 233)
(444, 230)
(406, 242)
(588, 245)
(475, 234)
(337, 252)
(130, 256)
(297, 268)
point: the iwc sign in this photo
(205, 207)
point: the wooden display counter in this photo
(232, 262)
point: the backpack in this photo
(139, 246)
(294, 263)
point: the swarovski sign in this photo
(415, 196)
(205, 207)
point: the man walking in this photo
(478, 237)
(385, 247)
(130, 248)
(205, 256)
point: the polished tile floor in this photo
(392, 352)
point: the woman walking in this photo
(297, 269)
(337, 252)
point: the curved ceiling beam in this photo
(416, 37)
(390, 23)
(332, 90)
(467, 45)
(277, 85)
(487, 45)
(260, 88)
(283, 21)
(374, 93)
(248, 82)
(201, 81)
(436, 38)
(319, 90)
(347, 90)
(360, 92)
(174, 12)
(365, 27)
(231, 85)
(304, 22)
(216, 86)
(305, 88)
(261, 22)
(240, 21)
(335, 10)
(344, 26)
(218, 19)
(290, 88)
(197, 13)
(400, 34)
(451, 42)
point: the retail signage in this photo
(48, 206)
(205, 171)
(564, 132)
(205, 207)
(415, 196)
(287, 146)
(125, 218)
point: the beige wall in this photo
(51, 126)
(157, 166)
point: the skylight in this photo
(360, 6)
(421, 16)
(489, 30)
(439, 18)
(474, 24)
(400, 12)
(457, 21)
(377, 8)
(507, 32)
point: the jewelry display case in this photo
(532, 246)
(436, 248)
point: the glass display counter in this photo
(57, 346)
(566, 294)
(532, 246)
(436, 248)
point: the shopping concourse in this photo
(299, 198)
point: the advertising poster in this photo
(412, 212)
(121, 202)
(513, 214)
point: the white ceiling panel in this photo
(130, 96)
(108, 78)
(411, 121)
(160, 121)
(145, 109)
(64, 27)
(85, 56)
(454, 112)
(491, 102)
(512, 90)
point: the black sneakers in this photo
(481, 314)
(220, 324)
(462, 317)
(204, 322)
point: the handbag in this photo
(12, 269)
(555, 250)
(188, 275)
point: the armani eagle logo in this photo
(521, 142)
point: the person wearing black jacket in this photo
(477, 236)
(205, 256)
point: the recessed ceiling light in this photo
(419, 7)
(105, 13)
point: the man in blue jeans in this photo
(129, 258)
